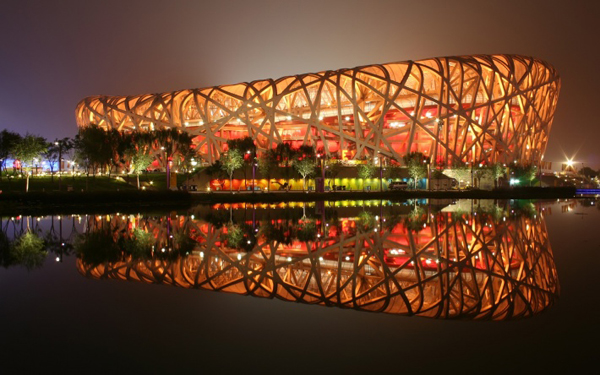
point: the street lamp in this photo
(428, 162)
(570, 164)
(167, 166)
(253, 159)
(59, 144)
(379, 158)
(322, 164)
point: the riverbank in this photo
(13, 203)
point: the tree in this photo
(366, 221)
(173, 141)
(479, 172)
(588, 172)
(55, 151)
(416, 163)
(307, 231)
(97, 247)
(523, 173)
(306, 167)
(120, 144)
(267, 163)
(232, 161)
(333, 167)
(28, 250)
(139, 162)
(497, 170)
(8, 140)
(189, 161)
(216, 171)
(93, 148)
(461, 171)
(139, 244)
(415, 219)
(29, 148)
(305, 162)
(246, 147)
(285, 153)
(366, 171)
(234, 236)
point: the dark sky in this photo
(54, 53)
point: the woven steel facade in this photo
(482, 109)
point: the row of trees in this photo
(304, 160)
(25, 148)
(95, 149)
(241, 153)
(99, 149)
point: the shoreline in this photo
(107, 201)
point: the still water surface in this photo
(349, 286)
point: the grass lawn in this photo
(82, 183)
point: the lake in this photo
(338, 287)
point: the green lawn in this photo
(79, 183)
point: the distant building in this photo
(481, 109)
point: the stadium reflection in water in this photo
(446, 262)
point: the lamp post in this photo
(428, 174)
(167, 166)
(472, 162)
(322, 165)
(380, 173)
(569, 164)
(253, 159)
(540, 167)
(378, 159)
(193, 163)
(59, 144)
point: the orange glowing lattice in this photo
(482, 108)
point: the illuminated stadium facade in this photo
(482, 109)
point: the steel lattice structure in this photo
(482, 108)
(458, 266)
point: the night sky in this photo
(54, 53)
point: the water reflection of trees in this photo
(24, 243)
(26, 248)
(494, 263)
